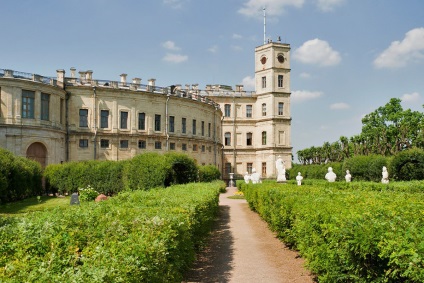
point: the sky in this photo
(348, 57)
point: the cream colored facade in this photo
(61, 119)
(257, 125)
(75, 118)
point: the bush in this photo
(145, 171)
(366, 168)
(209, 173)
(315, 171)
(408, 165)
(181, 169)
(87, 194)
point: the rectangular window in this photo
(263, 109)
(157, 122)
(263, 168)
(227, 110)
(123, 143)
(171, 124)
(184, 125)
(210, 148)
(104, 119)
(227, 138)
(203, 148)
(194, 126)
(142, 121)
(263, 138)
(28, 98)
(83, 118)
(158, 145)
(249, 111)
(249, 168)
(209, 129)
(172, 146)
(249, 138)
(124, 120)
(194, 147)
(263, 82)
(83, 143)
(104, 143)
(142, 144)
(203, 128)
(184, 147)
(280, 108)
(45, 102)
(280, 80)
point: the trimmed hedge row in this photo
(141, 236)
(407, 165)
(347, 235)
(19, 177)
(143, 172)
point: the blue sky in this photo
(348, 56)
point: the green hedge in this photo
(209, 173)
(19, 177)
(142, 236)
(408, 165)
(348, 234)
(181, 169)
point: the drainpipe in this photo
(234, 134)
(167, 122)
(95, 123)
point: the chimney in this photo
(73, 72)
(89, 76)
(239, 88)
(82, 76)
(151, 86)
(60, 77)
(135, 83)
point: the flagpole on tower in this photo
(264, 25)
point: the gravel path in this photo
(243, 249)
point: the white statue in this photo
(255, 177)
(281, 170)
(247, 178)
(299, 179)
(330, 176)
(385, 179)
(348, 177)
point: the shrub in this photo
(209, 173)
(87, 194)
(181, 169)
(365, 168)
(145, 171)
(408, 165)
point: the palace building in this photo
(76, 117)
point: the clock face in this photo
(280, 58)
(263, 60)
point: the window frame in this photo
(45, 106)
(28, 104)
(124, 120)
(142, 121)
(83, 119)
(104, 119)
(249, 111)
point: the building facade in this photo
(76, 118)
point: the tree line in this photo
(385, 131)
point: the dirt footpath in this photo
(243, 249)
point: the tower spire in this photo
(264, 10)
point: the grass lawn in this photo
(33, 204)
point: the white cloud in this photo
(175, 58)
(401, 53)
(304, 95)
(329, 5)
(236, 47)
(237, 36)
(248, 83)
(170, 45)
(213, 49)
(339, 106)
(176, 4)
(253, 8)
(305, 75)
(410, 97)
(317, 51)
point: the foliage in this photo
(366, 168)
(142, 236)
(315, 171)
(386, 131)
(19, 177)
(365, 234)
(145, 171)
(182, 169)
(87, 194)
(39, 203)
(408, 165)
(209, 173)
